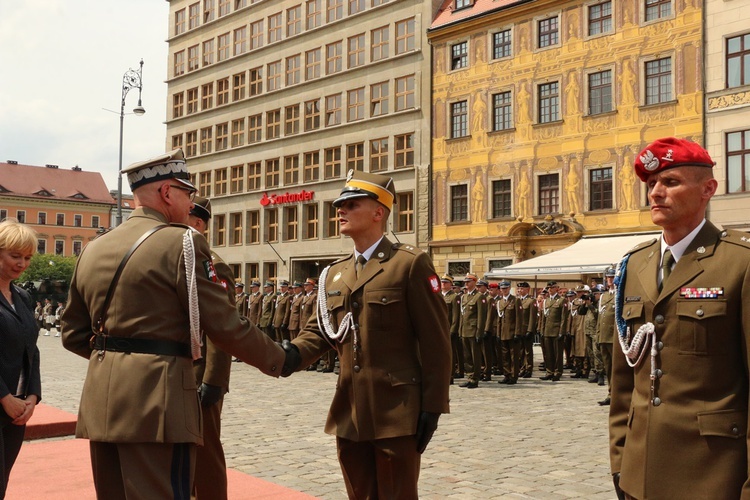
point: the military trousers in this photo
(210, 464)
(511, 353)
(528, 354)
(458, 355)
(553, 356)
(607, 351)
(488, 357)
(473, 356)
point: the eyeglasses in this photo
(190, 192)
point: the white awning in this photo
(589, 255)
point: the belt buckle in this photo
(103, 349)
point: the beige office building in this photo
(274, 101)
(727, 73)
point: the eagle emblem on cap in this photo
(349, 175)
(650, 162)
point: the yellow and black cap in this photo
(167, 166)
(366, 185)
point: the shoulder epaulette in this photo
(178, 224)
(342, 259)
(642, 245)
(737, 237)
(409, 248)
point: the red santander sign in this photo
(282, 199)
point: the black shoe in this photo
(605, 402)
(546, 377)
(527, 375)
(470, 385)
(601, 379)
(577, 375)
(593, 378)
(511, 381)
(556, 378)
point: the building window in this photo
(293, 70)
(549, 194)
(253, 176)
(179, 63)
(378, 44)
(253, 227)
(459, 203)
(355, 50)
(273, 124)
(41, 246)
(59, 247)
(192, 100)
(379, 99)
(207, 96)
(404, 153)
(600, 92)
(459, 55)
(291, 170)
(222, 50)
(251, 271)
(332, 221)
(333, 110)
(548, 32)
(312, 115)
(274, 76)
(270, 270)
(404, 219)
(658, 9)
(220, 182)
(222, 136)
(60, 219)
(256, 81)
(178, 104)
(193, 57)
(208, 52)
(355, 104)
(738, 161)
(291, 119)
(235, 223)
(332, 163)
(274, 27)
(355, 156)
(600, 18)
(256, 35)
(220, 230)
(600, 188)
(204, 184)
(194, 15)
(206, 140)
(240, 4)
(254, 128)
(333, 57)
(77, 220)
(659, 81)
(462, 4)
(459, 119)
(405, 93)
(240, 40)
(501, 199)
(4, 214)
(294, 21)
(549, 102)
(311, 166)
(41, 218)
(291, 223)
(494, 264)
(502, 111)
(222, 91)
(238, 132)
(272, 173)
(191, 143)
(311, 221)
(335, 10)
(272, 224)
(356, 6)
(312, 64)
(379, 154)
(77, 247)
(223, 8)
(208, 11)
(95, 221)
(738, 61)
(405, 36)
(314, 17)
(501, 46)
(237, 181)
(177, 141)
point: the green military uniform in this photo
(554, 328)
(267, 310)
(240, 298)
(454, 318)
(473, 321)
(509, 344)
(294, 310)
(526, 325)
(492, 342)
(254, 303)
(281, 312)
(605, 332)
(578, 334)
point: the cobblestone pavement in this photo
(539, 440)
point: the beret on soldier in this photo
(670, 152)
(493, 285)
(167, 166)
(367, 185)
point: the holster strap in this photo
(142, 346)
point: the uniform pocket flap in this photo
(405, 377)
(334, 302)
(723, 423)
(702, 309)
(384, 296)
(632, 310)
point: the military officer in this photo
(491, 328)
(240, 298)
(578, 309)
(454, 316)
(473, 322)
(47, 316)
(139, 407)
(526, 327)
(487, 342)
(212, 377)
(552, 336)
(380, 308)
(510, 341)
(282, 311)
(309, 305)
(294, 309)
(267, 310)
(254, 303)
(605, 330)
(679, 413)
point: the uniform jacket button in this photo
(659, 373)
(383, 300)
(357, 368)
(273, 368)
(355, 304)
(699, 312)
(659, 345)
(735, 430)
(657, 401)
(659, 319)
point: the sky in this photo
(61, 67)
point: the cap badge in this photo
(349, 175)
(668, 156)
(650, 162)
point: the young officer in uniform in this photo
(294, 310)
(526, 326)
(380, 308)
(473, 322)
(267, 310)
(552, 335)
(454, 315)
(254, 301)
(679, 413)
(140, 407)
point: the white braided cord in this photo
(188, 250)
(635, 351)
(324, 319)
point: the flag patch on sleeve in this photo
(435, 283)
(208, 266)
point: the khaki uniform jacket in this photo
(308, 307)
(526, 315)
(605, 324)
(454, 310)
(554, 312)
(241, 301)
(473, 314)
(403, 365)
(577, 328)
(492, 325)
(254, 301)
(267, 309)
(294, 311)
(149, 398)
(506, 312)
(283, 306)
(692, 441)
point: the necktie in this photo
(666, 267)
(361, 261)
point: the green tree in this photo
(49, 267)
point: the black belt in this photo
(142, 346)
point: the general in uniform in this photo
(139, 407)
(679, 414)
(381, 310)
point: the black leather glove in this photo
(209, 394)
(478, 338)
(283, 326)
(426, 426)
(292, 360)
(517, 337)
(618, 491)
(529, 335)
(486, 335)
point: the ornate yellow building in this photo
(538, 110)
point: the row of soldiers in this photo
(47, 317)
(493, 330)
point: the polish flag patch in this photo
(435, 283)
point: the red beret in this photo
(670, 152)
(493, 285)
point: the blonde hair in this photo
(15, 236)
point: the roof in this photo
(53, 183)
(589, 255)
(446, 15)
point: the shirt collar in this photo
(368, 253)
(678, 249)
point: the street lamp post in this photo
(132, 79)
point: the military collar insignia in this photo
(701, 249)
